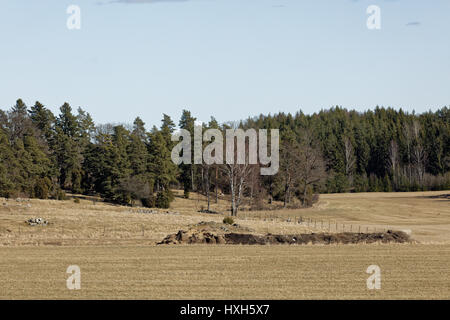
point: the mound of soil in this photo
(216, 233)
(204, 232)
(319, 238)
(208, 211)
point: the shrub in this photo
(76, 200)
(228, 220)
(61, 195)
(186, 194)
(170, 194)
(309, 198)
(162, 200)
(148, 202)
(123, 199)
(41, 189)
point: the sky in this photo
(225, 58)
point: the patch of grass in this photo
(228, 220)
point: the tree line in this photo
(43, 155)
(380, 150)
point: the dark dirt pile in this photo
(216, 233)
(204, 232)
(319, 238)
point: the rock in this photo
(36, 222)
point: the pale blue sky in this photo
(227, 58)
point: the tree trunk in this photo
(203, 181)
(207, 188)
(233, 196)
(216, 186)
(304, 195)
(287, 191)
(192, 178)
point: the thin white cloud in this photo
(413, 24)
(139, 1)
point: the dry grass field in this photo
(427, 214)
(115, 249)
(227, 272)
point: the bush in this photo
(123, 199)
(186, 194)
(61, 195)
(41, 189)
(228, 220)
(162, 200)
(76, 200)
(170, 194)
(309, 198)
(148, 202)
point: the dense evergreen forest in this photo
(43, 155)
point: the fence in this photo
(314, 223)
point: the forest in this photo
(44, 155)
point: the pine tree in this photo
(68, 149)
(67, 121)
(137, 151)
(7, 159)
(161, 167)
(85, 127)
(43, 119)
(139, 129)
(188, 171)
(167, 129)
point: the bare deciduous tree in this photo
(237, 175)
(350, 159)
(394, 160)
(311, 164)
(419, 154)
(407, 132)
(206, 178)
(289, 168)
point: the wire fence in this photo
(328, 225)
